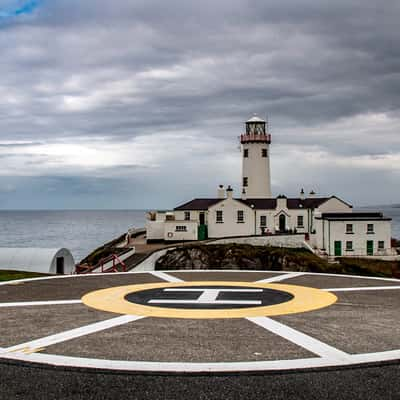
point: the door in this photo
(370, 247)
(60, 265)
(338, 248)
(282, 223)
(202, 219)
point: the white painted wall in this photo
(331, 231)
(257, 169)
(171, 233)
(155, 230)
(333, 205)
(149, 263)
(293, 241)
(230, 226)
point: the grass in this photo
(14, 275)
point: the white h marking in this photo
(208, 296)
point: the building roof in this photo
(354, 216)
(197, 204)
(258, 204)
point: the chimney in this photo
(229, 192)
(244, 194)
(312, 194)
(302, 194)
(281, 201)
(221, 192)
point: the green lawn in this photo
(13, 275)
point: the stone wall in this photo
(291, 241)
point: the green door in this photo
(370, 247)
(202, 232)
(338, 248)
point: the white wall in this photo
(155, 230)
(230, 226)
(172, 234)
(333, 205)
(336, 231)
(257, 169)
(293, 241)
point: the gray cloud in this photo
(156, 77)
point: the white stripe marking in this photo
(40, 303)
(300, 339)
(281, 277)
(200, 289)
(356, 289)
(152, 366)
(209, 296)
(162, 301)
(73, 333)
(165, 277)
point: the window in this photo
(220, 217)
(370, 228)
(349, 228)
(381, 245)
(240, 217)
(263, 220)
(300, 221)
(349, 246)
(264, 152)
(180, 228)
(245, 153)
(187, 215)
(245, 181)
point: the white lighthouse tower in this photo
(256, 179)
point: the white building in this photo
(324, 221)
(46, 261)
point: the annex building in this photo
(327, 224)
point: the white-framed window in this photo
(381, 245)
(263, 220)
(181, 228)
(370, 228)
(187, 216)
(300, 221)
(219, 217)
(349, 228)
(240, 217)
(349, 245)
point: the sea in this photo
(81, 231)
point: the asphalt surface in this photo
(29, 382)
(359, 322)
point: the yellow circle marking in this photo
(113, 300)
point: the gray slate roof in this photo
(259, 204)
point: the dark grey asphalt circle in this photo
(267, 297)
(37, 382)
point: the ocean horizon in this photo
(82, 231)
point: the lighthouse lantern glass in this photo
(255, 128)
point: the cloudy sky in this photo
(138, 103)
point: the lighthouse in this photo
(256, 178)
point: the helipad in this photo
(201, 322)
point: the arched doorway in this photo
(282, 223)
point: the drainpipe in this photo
(329, 236)
(255, 219)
